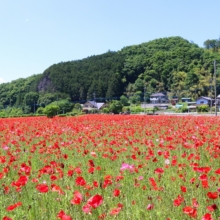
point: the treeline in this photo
(171, 65)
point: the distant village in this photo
(161, 101)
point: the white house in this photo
(158, 97)
(89, 105)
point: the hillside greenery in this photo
(172, 65)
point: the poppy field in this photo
(110, 167)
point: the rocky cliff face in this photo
(45, 84)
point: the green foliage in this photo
(124, 100)
(30, 102)
(62, 115)
(213, 108)
(106, 110)
(135, 98)
(46, 98)
(78, 106)
(183, 109)
(136, 109)
(126, 109)
(51, 110)
(93, 111)
(212, 44)
(202, 108)
(64, 105)
(115, 107)
(26, 109)
(40, 110)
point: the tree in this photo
(46, 99)
(78, 106)
(115, 106)
(212, 44)
(30, 99)
(51, 110)
(124, 100)
(139, 85)
(136, 98)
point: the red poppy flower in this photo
(106, 183)
(70, 172)
(6, 218)
(43, 188)
(14, 206)
(192, 212)
(55, 188)
(77, 198)
(80, 181)
(115, 211)
(63, 216)
(87, 208)
(205, 184)
(116, 192)
(212, 195)
(22, 181)
(217, 171)
(53, 178)
(207, 216)
(212, 207)
(95, 201)
(178, 201)
(150, 206)
(195, 203)
(95, 184)
(159, 170)
(183, 189)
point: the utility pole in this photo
(144, 99)
(211, 97)
(94, 96)
(34, 107)
(215, 88)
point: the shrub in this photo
(184, 109)
(62, 115)
(137, 109)
(105, 110)
(40, 110)
(202, 108)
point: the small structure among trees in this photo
(158, 97)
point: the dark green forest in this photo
(172, 65)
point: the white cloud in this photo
(2, 80)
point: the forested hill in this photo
(168, 64)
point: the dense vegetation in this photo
(171, 65)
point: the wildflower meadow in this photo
(110, 167)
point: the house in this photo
(93, 105)
(158, 97)
(203, 100)
(186, 99)
(174, 100)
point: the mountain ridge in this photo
(170, 64)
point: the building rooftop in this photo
(157, 94)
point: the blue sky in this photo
(38, 33)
